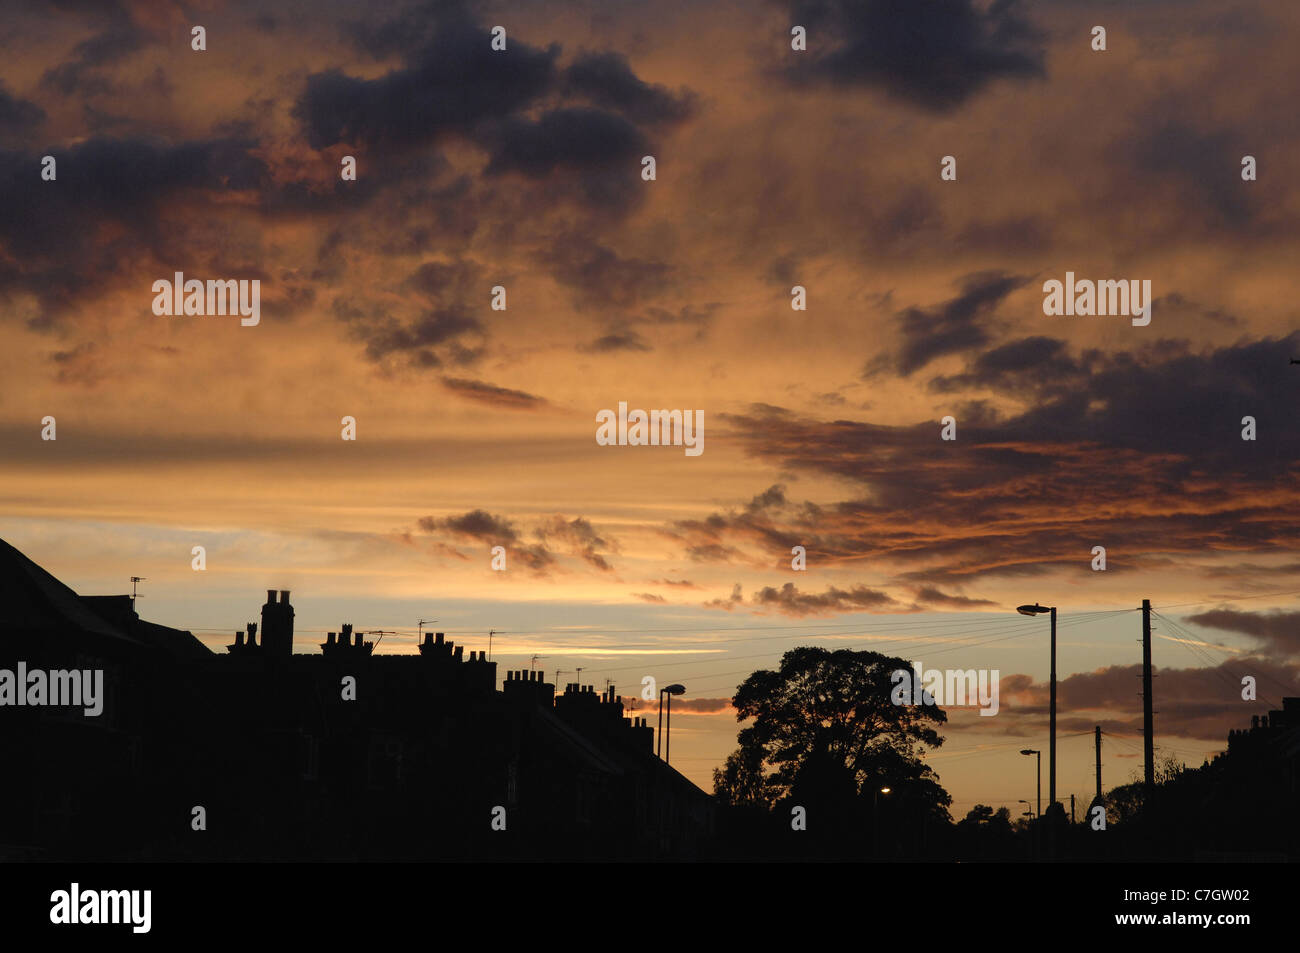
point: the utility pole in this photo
(1098, 740)
(1051, 771)
(1148, 732)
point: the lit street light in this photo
(875, 819)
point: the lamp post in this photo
(670, 691)
(1051, 757)
(1040, 776)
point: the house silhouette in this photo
(336, 755)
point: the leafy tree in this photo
(824, 726)
(985, 834)
(1125, 802)
(979, 815)
(741, 781)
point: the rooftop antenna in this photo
(579, 678)
(491, 632)
(419, 631)
(379, 632)
(134, 580)
(534, 663)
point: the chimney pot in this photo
(270, 597)
(239, 638)
(440, 638)
(284, 596)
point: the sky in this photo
(523, 169)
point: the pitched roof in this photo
(32, 600)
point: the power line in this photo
(1214, 602)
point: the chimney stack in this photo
(277, 625)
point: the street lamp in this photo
(1051, 757)
(1040, 776)
(667, 739)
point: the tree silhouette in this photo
(825, 731)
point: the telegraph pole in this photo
(1051, 771)
(1098, 737)
(1148, 731)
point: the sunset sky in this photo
(476, 427)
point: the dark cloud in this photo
(649, 597)
(1202, 168)
(414, 340)
(446, 333)
(935, 55)
(577, 536)
(600, 276)
(701, 706)
(450, 84)
(581, 539)
(771, 498)
(1194, 703)
(443, 281)
(607, 80)
(17, 116)
(1139, 451)
(959, 324)
(1278, 631)
(80, 75)
(72, 238)
(581, 147)
(492, 394)
(737, 598)
(930, 596)
(1041, 363)
(601, 150)
(477, 524)
(788, 600)
(617, 341)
